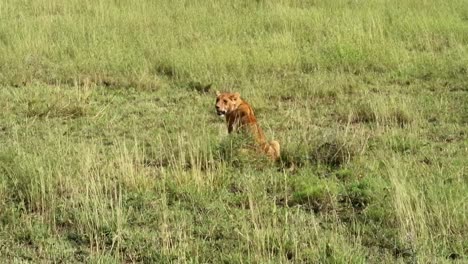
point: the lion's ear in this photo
(235, 96)
(217, 93)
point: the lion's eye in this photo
(225, 101)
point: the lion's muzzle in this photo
(220, 112)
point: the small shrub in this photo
(292, 159)
(313, 193)
(380, 112)
(403, 143)
(334, 152)
(358, 194)
(343, 174)
(401, 117)
(57, 109)
(363, 113)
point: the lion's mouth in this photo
(220, 112)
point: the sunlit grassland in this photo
(110, 151)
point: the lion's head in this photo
(226, 102)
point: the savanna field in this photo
(111, 150)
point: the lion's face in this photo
(226, 102)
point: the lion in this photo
(240, 118)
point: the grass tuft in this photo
(338, 150)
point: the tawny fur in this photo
(240, 118)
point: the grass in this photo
(111, 151)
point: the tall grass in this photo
(227, 42)
(110, 151)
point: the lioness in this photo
(240, 118)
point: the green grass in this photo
(110, 150)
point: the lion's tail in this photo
(274, 149)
